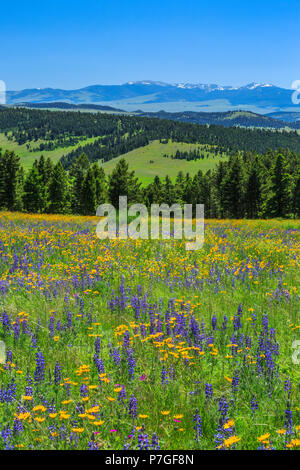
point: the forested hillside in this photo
(118, 134)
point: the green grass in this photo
(27, 158)
(139, 161)
(251, 264)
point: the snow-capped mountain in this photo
(149, 95)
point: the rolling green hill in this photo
(27, 158)
(149, 161)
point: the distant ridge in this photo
(285, 116)
(63, 105)
(152, 96)
(226, 119)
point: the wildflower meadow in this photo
(140, 344)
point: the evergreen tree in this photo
(122, 182)
(34, 193)
(218, 178)
(77, 172)
(99, 176)
(153, 193)
(11, 181)
(296, 197)
(279, 202)
(189, 190)
(59, 191)
(169, 192)
(253, 192)
(232, 190)
(89, 194)
(180, 188)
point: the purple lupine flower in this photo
(18, 426)
(254, 404)
(57, 373)
(224, 324)
(235, 382)
(29, 391)
(9, 355)
(133, 406)
(265, 322)
(83, 391)
(288, 386)
(116, 356)
(198, 425)
(39, 373)
(99, 364)
(208, 391)
(164, 376)
(154, 442)
(288, 419)
(17, 330)
(51, 326)
(131, 362)
(97, 345)
(92, 445)
(143, 442)
(69, 319)
(223, 408)
(122, 395)
(126, 339)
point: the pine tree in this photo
(2, 181)
(59, 191)
(11, 181)
(280, 198)
(89, 195)
(99, 175)
(122, 182)
(189, 190)
(253, 192)
(218, 178)
(232, 189)
(169, 192)
(77, 172)
(153, 193)
(34, 194)
(296, 197)
(180, 188)
(45, 169)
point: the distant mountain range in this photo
(150, 96)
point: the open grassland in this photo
(149, 161)
(27, 158)
(142, 344)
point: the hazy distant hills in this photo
(150, 96)
(71, 106)
(226, 119)
(285, 116)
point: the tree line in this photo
(118, 134)
(247, 186)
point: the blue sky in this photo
(72, 44)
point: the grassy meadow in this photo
(143, 345)
(149, 161)
(27, 158)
